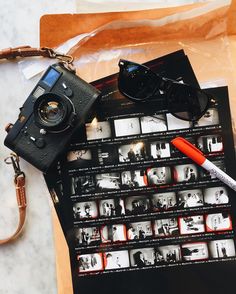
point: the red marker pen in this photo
(197, 156)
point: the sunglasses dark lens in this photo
(136, 81)
(186, 102)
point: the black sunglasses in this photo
(140, 84)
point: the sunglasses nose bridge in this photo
(164, 84)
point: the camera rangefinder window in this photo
(51, 77)
(38, 92)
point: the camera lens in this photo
(52, 112)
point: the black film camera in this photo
(55, 109)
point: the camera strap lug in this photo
(62, 57)
(19, 181)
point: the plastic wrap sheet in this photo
(88, 6)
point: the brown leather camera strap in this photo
(23, 51)
(20, 196)
(27, 51)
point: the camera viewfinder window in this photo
(51, 77)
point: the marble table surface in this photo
(28, 265)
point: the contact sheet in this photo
(162, 199)
(131, 202)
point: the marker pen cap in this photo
(189, 150)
